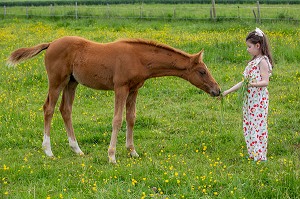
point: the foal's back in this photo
(96, 65)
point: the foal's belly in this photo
(100, 80)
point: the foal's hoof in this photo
(81, 154)
(112, 160)
(48, 152)
(74, 146)
(78, 151)
(50, 155)
(134, 154)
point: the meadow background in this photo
(190, 145)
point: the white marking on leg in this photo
(74, 146)
(112, 155)
(47, 146)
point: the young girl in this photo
(255, 107)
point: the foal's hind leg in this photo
(56, 83)
(49, 106)
(66, 112)
(130, 120)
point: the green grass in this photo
(185, 152)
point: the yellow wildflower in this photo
(5, 167)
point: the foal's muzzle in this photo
(215, 93)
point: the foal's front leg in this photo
(130, 120)
(120, 99)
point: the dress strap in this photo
(268, 62)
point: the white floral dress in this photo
(255, 112)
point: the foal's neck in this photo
(160, 59)
(166, 63)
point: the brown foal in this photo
(122, 66)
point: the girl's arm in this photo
(264, 72)
(233, 89)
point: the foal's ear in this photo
(201, 53)
(199, 57)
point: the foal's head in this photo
(199, 75)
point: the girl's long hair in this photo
(264, 44)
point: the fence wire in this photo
(158, 11)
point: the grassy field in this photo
(187, 148)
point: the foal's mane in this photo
(155, 44)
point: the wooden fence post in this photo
(4, 11)
(254, 15)
(258, 12)
(174, 13)
(76, 10)
(141, 11)
(108, 11)
(26, 11)
(213, 10)
(51, 10)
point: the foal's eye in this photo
(202, 72)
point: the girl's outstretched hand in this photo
(224, 93)
(221, 96)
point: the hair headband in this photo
(258, 32)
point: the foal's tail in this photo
(25, 53)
